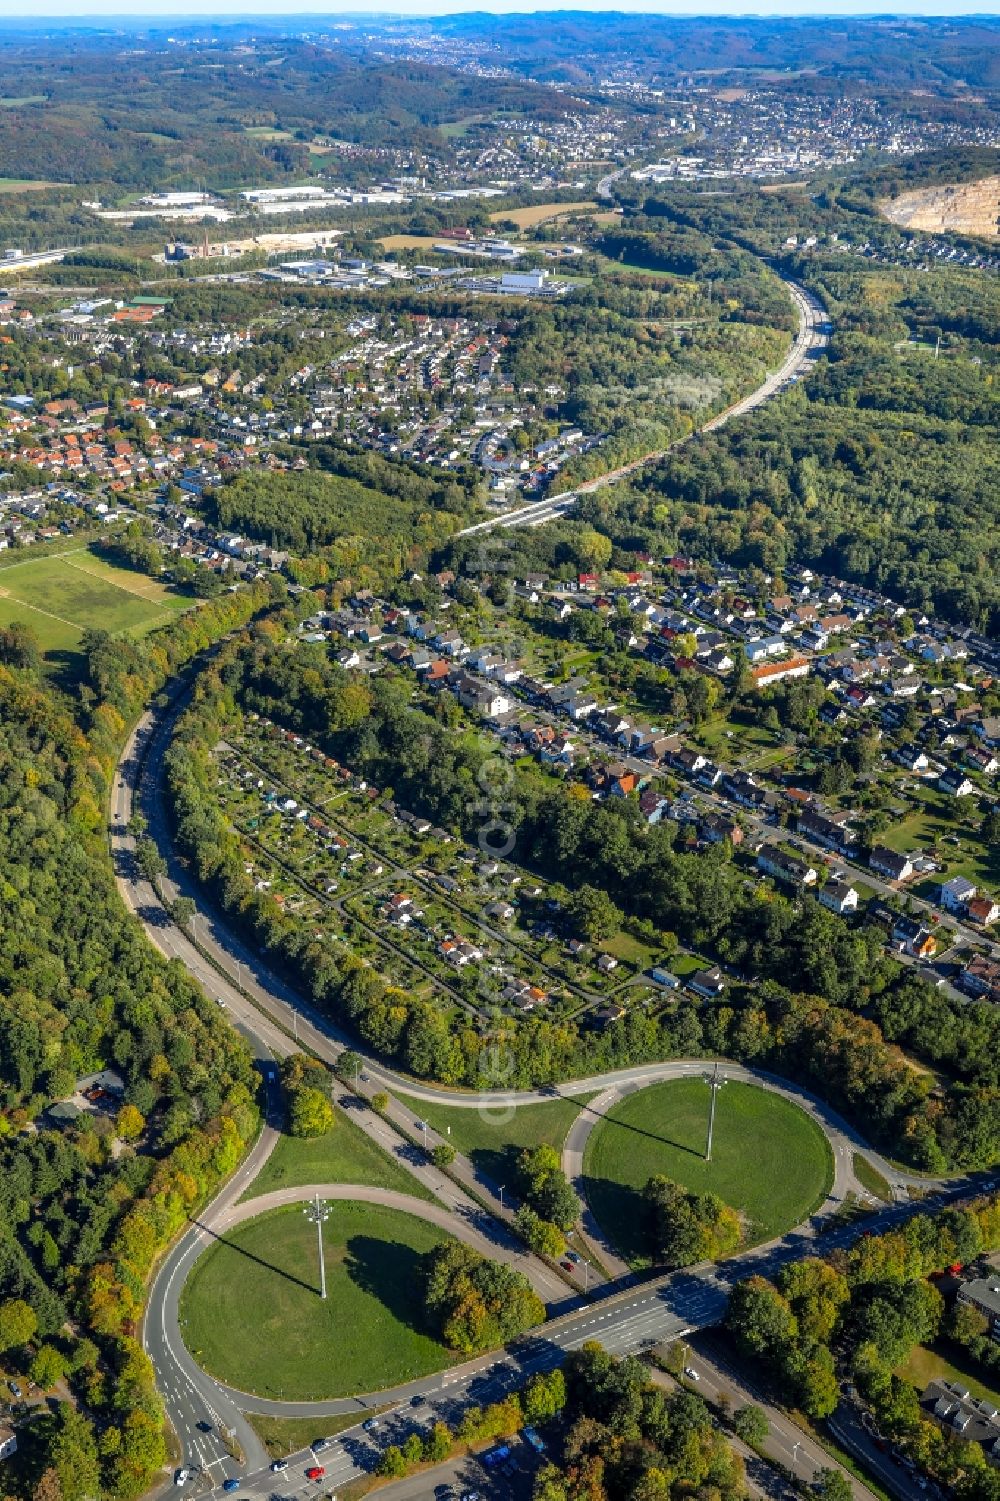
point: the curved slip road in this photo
(274, 1019)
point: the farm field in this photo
(61, 595)
(769, 1160)
(409, 242)
(538, 213)
(252, 1315)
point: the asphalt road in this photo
(811, 338)
(203, 1412)
(209, 1418)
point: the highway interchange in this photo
(208, 1418)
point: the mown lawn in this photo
(61, 596)
(769, 1160)
(924, 1365)
(492, 1138)
(251, 1313)
(343, 1155)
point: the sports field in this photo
(251, 1313)
(62, 594)
(769, 1160)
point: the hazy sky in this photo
(146, 9)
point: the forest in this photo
(641, 362)
(92, 108)
(87, 1204)
(340, 527)
(858, 1314)
(624, 1438)
(826, 1032)
(881, 469)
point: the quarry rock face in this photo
(967, 208)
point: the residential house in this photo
(828, 830)
(983, 910)
(606, 1015)
(715, 828)
(988, 730)
(955, 784)
(913, 938)
(770, 673)
(451, 643)
(953, 895)
(981, 977)
(983, 761)
(787, 869)
(839, 896)
(890, 865)
(652, 805)
(913, 758)
(708, 982)
(8, 1440)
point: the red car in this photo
(315, 1472)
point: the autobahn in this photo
(811, 338)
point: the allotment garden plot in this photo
(415, 901)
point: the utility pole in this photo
(317, 1211)
(715, 1084)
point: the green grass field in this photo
(343, 1155)
(769, 1160)
(924, 1365)
(869, 1177)
(283, 1436)
(252, 1315)
(493, 1138)
(60, 595)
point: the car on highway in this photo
(370, 1425)
(315, 1472)
(230, 1485)
(691, 1373)
(573, 1257)
(182, 1476)
(318, 1445)
(277, 1465)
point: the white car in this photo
(183, 1476)
(691, 1373)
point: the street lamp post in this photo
(715, 1084)
(317, 1211)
